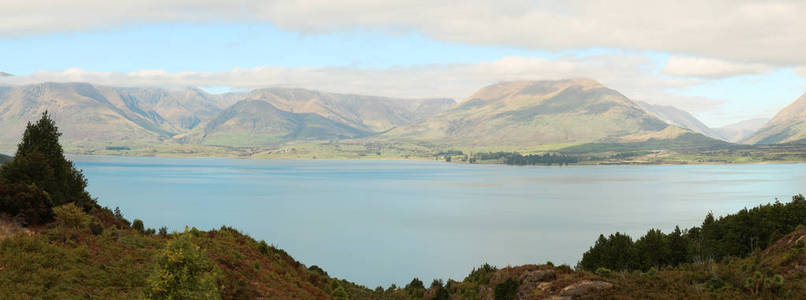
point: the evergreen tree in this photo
(40, 161)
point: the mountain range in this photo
(507, 114)
(529, 113)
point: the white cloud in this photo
(630, 74)
(711, 68)
(769, 32)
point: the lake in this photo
(382, 222)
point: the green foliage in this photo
(440, 291)
(137, 224)
(481, 275)
(71, 216)
(183, 272)
(27, 204)
(602, 271)
(506, 290)
(415, 288)
(714, 283)
(40, 161)
(263, 248)
(316, 269)
(96, 228)
(514, 158)
(340, 294)
(615, 252)
(735, 235)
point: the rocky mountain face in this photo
(531, 113)
(739, 131)
(789, 125)
(679, 117)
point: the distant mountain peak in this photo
(679, 117)
(533, 113)
(4, 74)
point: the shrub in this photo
(138, 225)
(481, 275)
(714, 283)
(182, 272)
(506, 290)
(602, 271)
(96, 228)
(163, 231)
(316, 269)
(263, 248)
(71, 216)
(340, 294)
(27, 204)
(415, 288)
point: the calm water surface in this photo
(383, 222)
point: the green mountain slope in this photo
(789, 125)
(368, 113)
(532, 113)
(258, 123)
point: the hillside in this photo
(4, 158)
(367, 113)
(532, 113)
(679, 117)
(739, 131)
(258, 123)
(789, 125)
(96, 117)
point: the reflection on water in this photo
(383, 222)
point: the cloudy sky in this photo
(724, 61)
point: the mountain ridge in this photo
(536, 113)
(788, 125)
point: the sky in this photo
(723, 61)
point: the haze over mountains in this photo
(679, 117)
(517, 114)
(789, 125)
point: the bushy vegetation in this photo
(25, 204)
(735, 235)
(40, 161)
(514, 158)
(182, 272)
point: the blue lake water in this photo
(383, 222)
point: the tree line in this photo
(515, 158)
(734, 235)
